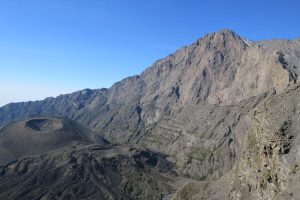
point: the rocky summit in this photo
(218, 119)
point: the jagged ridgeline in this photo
(217, 119)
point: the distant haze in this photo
(20, 93)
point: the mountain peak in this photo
(224, 39)
(227, 31)
(223, 32)
(228, 35)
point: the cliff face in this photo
(269, 160)
(221, 68)
(223, 109)
(266, 145)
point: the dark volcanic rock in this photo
(90, 172)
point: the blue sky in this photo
(50, 47)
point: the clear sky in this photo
(50, 47)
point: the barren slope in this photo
(89, 172)
(39, 135)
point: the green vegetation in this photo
(197, 154)
(266, 178)
(151, 140)
(252, 141)
(142, 186)
(267, 175)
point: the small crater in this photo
(42, 124)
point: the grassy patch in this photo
(151, 140)
(252, 141)
(197, 154)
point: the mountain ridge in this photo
(196, 78)
(225, 30)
